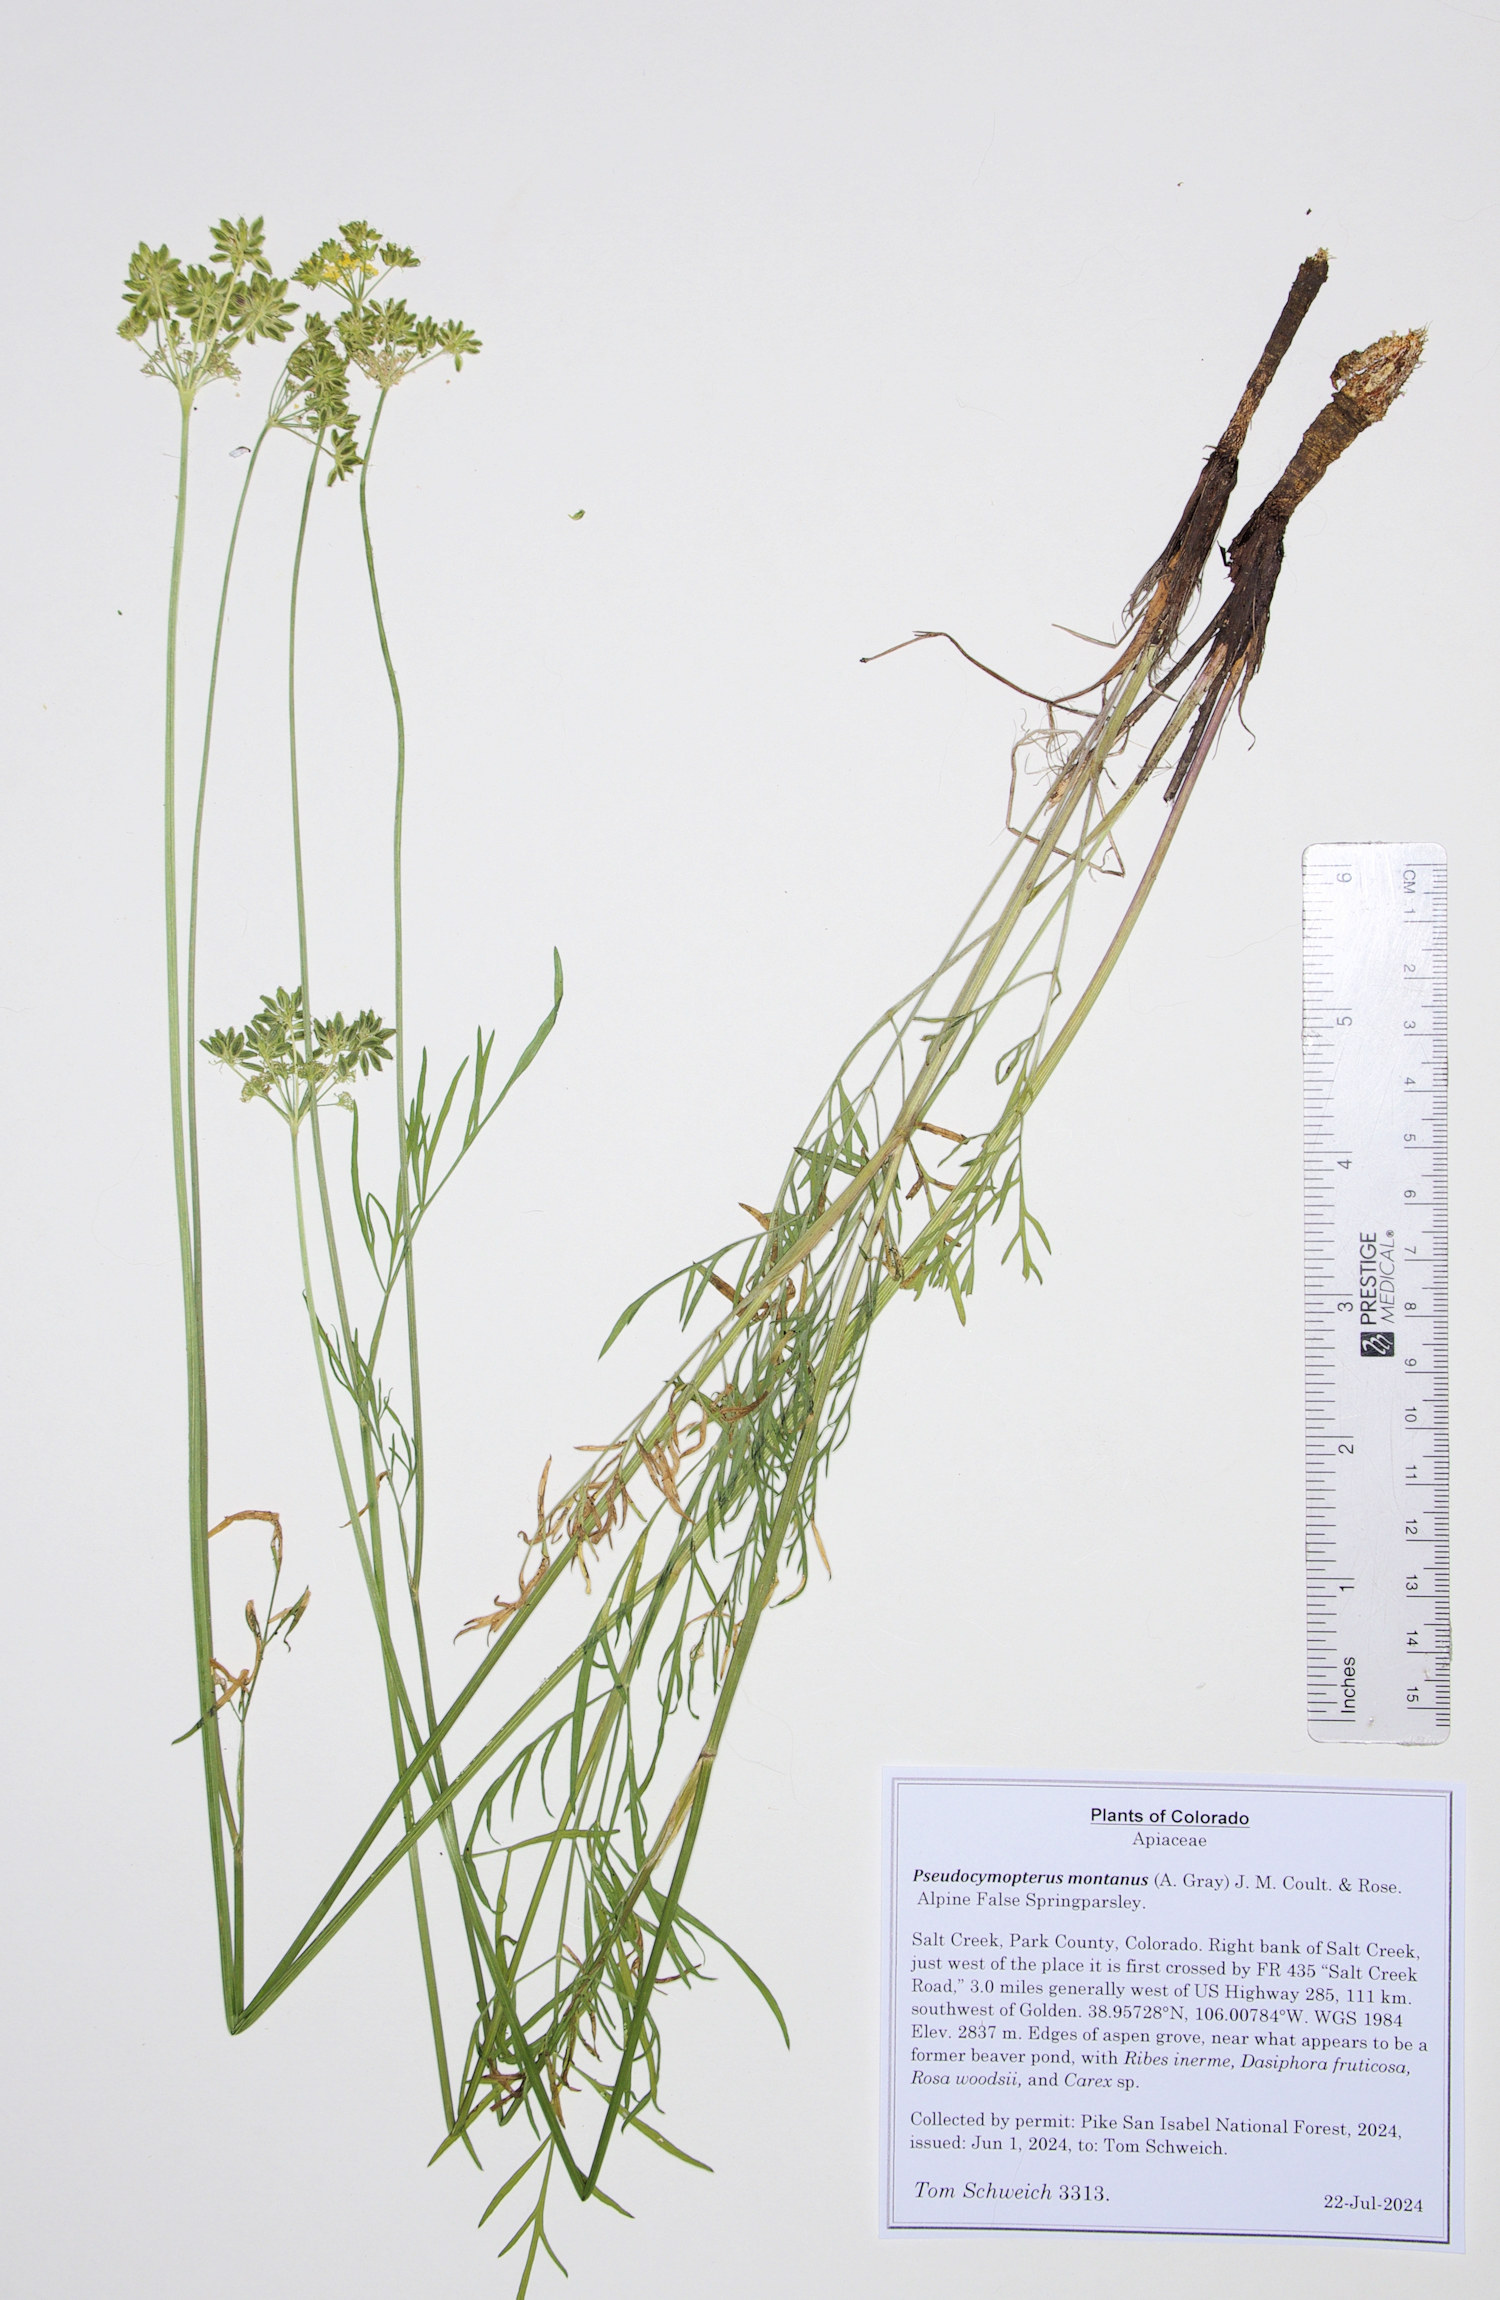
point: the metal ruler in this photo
(1375, 1233)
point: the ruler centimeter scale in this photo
(1375, 1243)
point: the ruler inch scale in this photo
(1375, 1291)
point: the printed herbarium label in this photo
(1172, 2007)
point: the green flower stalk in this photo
(193, 320)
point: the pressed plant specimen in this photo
(570, 1807)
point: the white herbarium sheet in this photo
(834, 324)
(1172, 2007)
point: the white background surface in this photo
(837, 320)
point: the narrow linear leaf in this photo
(516, 2177)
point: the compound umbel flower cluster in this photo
(284, 1063)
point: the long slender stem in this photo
(398, 924)
(195, 868)
(215, 1783)
(397, 1698)
(195, 1194)
(403, 1239)
(371, 1558)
